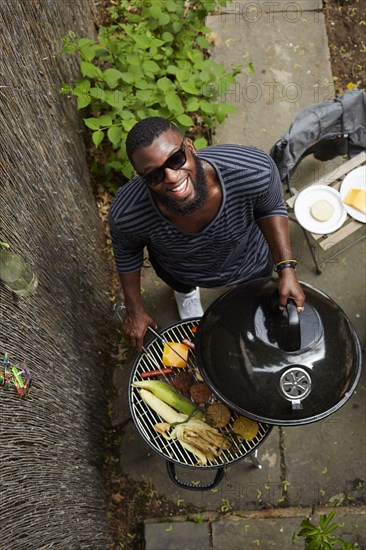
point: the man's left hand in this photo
(289, 287)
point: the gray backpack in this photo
(326, 130)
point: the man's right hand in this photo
(134, 327)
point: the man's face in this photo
(181, 191)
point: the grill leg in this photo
(254, 460)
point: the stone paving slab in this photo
(263, 530)
(283, 47)
(187, 535)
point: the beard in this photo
(201, 193)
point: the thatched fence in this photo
(51, 488)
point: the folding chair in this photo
(326, 130)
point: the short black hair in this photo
(146, 131)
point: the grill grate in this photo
(145, 418)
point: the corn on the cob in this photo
(166, 393)
(205, 442)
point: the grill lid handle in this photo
(288, 326)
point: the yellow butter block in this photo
(357, 199)
(175, 354)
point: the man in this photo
(211, 218)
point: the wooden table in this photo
(350, 226)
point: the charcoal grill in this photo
(150, 359)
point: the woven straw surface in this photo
(51, 442)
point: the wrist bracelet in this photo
(285, 264)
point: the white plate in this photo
(308, 197)
(357, 180)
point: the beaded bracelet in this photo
(285, 264)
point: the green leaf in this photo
(128, 124)
(150, 66)
(84, 42)
(90, 70)
(202, 42)
(174, 102)
(115, 99)
(97, 93)
(199, 143)
(133, 60)
(192, 105)
(164, 19)
(114, 135)
(185, 120)
(88, 52)
(250, 67)
(171, 6)
(206, 107)
(68, 49)
(127, 77)
(154, 11)
(112, 76)
(105, 120)
(141, 40)
(164, 83)
(182, 75)
(189, 87)
(167, 36)
(83, 101)
(144, 95)
(97, 137)
(177, 26)
(92, 123)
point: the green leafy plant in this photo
(320, 537)
(150, 61)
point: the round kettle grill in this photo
(278, 368)
(145, 419)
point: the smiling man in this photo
(211, 218)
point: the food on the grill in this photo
(188, 343)
(153, 373)
(182, 381)
(218, 415)
(200, 393)
(175, 354)
(245, 428)
(322, 210)
(202, 440)
(168, 395)
(357, 199)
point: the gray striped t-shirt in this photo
(230, 250)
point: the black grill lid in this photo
(279, 368)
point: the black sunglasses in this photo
(174, 162)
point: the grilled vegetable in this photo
(205, 442)
(175, 355)
(166, 393)
(162, 409)
(245, 428)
